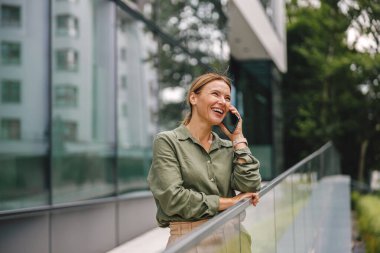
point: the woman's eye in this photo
(228, 99)
(215, 93)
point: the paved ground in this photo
(153, 241)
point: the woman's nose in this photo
(222, 100)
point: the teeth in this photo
(218, 110)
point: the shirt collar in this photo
(183, 133)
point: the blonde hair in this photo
(196, 87)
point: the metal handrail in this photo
(190, 239)
(49, 208)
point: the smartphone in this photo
(231, 121)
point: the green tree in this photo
(331, 90)
(199, 31)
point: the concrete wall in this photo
(95, 228)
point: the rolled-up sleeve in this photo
(246, 176)
(165, 182)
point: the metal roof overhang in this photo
(251, 35)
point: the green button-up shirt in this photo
(187, 181)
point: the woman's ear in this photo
(193, 98)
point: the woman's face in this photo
(212, 102)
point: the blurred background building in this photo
(85, 86)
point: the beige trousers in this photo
(229, 238)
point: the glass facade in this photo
(259, 93)
(82, 96)
(87, 84)
(24, 104)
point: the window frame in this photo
(6, 20)
(10, 95)
(10, 57)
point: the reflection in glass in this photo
(72, 1)
(67, 25)
(10, 128)
(83, 137)
(65, 96)
(10, 53)
(10, 91)
(67, 59)
(10, 15)
(23, 105)
(137, 101)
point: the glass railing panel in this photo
(259, 222)
(230, 236)
(284, 215)
(308, 208)
(315, 202)
(300, 200)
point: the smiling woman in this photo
(194, 173)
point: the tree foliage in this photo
(331, 90)
(199, 29)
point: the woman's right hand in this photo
(225, 203)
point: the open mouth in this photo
(218, 110)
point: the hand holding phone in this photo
(231, 121)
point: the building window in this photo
(10, 91)
(67, 59)
(124, 82)
(10, 53)
(70, 130)
(65, 96)
(67, 25)
(10, 129)
(10, 15)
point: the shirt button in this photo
(208, 161)
(212, 180)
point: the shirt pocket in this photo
(194, 173)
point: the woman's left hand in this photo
(255, 198)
